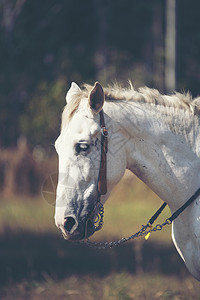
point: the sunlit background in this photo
(44, 46)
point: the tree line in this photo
(44, 45)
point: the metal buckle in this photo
(104, 131)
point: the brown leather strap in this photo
(102, 180)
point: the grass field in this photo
(36, 263)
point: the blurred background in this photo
(44, 46)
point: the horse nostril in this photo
(69, 224)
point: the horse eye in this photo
(81, 147)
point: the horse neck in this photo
(162, 147)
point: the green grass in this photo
(30, 214)
(130, 205)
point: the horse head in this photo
(79, 148)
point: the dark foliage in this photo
(45, 45)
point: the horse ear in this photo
(74, 89)
(96, 98)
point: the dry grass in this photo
(121, 286)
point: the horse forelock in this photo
(70, 109)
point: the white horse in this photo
(155, 136)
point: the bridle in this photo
(102, 180)
(98, 211)
(102, 190)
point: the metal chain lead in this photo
(143, 231)
(100, 216)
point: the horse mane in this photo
(148, 95)
(140, 95)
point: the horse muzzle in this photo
(74, 230)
